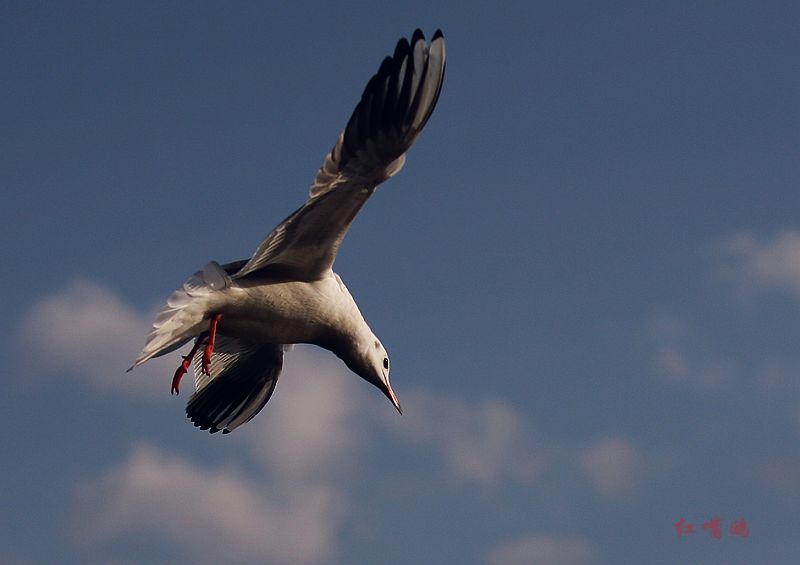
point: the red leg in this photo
(212, 340)
(187, 360)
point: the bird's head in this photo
(372, 365)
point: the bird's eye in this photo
(386, 363)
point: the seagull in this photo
(244, 315)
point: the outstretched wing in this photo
(243, 376)
(395, 106)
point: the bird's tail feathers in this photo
(184, 314)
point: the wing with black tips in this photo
(395, 106)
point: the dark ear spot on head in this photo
(377, 344)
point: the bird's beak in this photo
(387, 390)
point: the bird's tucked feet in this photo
(212, 340)
(187, 361)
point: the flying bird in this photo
(244, 315)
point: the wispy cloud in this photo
(317, 421)
(613, 465)
(307, 444)
(753, 263)
(214, 515)
(87, 331)
(292, 511)
(682, 355)
(487, 443)
(684, 352)
(542, 549)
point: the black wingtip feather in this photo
(390, 98)
(388, 103)
(239, 392)
(401, 49)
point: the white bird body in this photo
(287, 292)
(321, 310)
(281, 311)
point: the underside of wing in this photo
(243, 377)
(395, 106)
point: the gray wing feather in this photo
(243, 377)
(395, 106)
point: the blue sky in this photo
(587, 277)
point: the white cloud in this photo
(613, 465)
(485, 443)
(214, 515)
(87, 331)
(673, 362)
(317, 420)
(307, 432)
(681, 355)
(308, 442)
(319, 417)
(542, 549)
(311, 431)
(751, 263)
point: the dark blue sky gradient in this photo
(562, 226)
